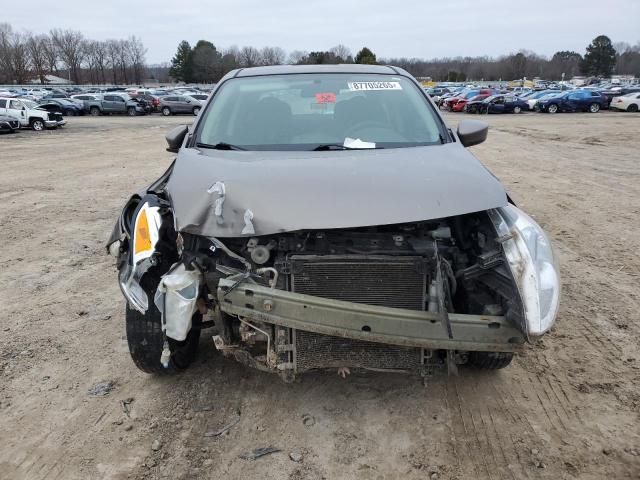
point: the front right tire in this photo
(146, 340)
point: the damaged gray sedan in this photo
(325, 217)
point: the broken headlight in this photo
(145, 236)
(533, 265)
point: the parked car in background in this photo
(201, 97)
(629, 102)
(498, 104)
(573, 101)
(111, 103)
(465, 95)
(611, 92)
(461, 104)
(173, 104)
(65, 106)
(436, 92)
(29, 114)
(8, 124)
(533, 99)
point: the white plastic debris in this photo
(248, 224)
(176, 298)
(220, 189)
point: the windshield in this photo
(307, 111)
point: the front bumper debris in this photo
(386, 325)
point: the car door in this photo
(108, 103)
(3, 106)
(572, 102)
(183, 105)
(120, 104)
(16, 109)
(497, 105)
(509, 103)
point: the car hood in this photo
(263, 193)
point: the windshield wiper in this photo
(219, 146)
(339, 146)
(330, 146)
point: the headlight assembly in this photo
(146, 232)
(533, 265)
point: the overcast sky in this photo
(391, 28)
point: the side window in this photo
(15, 105)
(3, 103)
(108, 98)
(120, 99)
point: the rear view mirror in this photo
(175, 137)
(472, 132)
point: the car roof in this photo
(339, 68)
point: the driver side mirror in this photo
(175, 137)
(472, 132)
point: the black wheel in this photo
(490, 360)
(196, 110)
(146, 341)
(632, 108)
(517, 109)
(553, 108)
(594, 108)
(71, 113)
(95, 111)
(131, 111)
(166, 111)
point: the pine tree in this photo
(181, 63)
(366, 56)
(600, 57)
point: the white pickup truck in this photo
(29, 115)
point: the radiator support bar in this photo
(394, 326)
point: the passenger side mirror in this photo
(175, 137)
(472, 132)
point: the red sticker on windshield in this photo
(325, 97)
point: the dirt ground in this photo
(569, 408)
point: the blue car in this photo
(498, 104)
(573, 101)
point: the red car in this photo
(449, 103)
(460, 105)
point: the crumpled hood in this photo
(260, 193)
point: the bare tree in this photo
(137, 52)
(342, 52)
(70, 47)
(297, 56)
(6, 62)
(273, 56)
(50, 51)
(112, 51)
(20, 58)
(249, 57)
(37, 55)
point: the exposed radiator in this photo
(374, 280)
(388, 281)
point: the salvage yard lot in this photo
(569, 407)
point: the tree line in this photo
(67, 53)
(25, 56)
(601, 59)
(204, 63)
